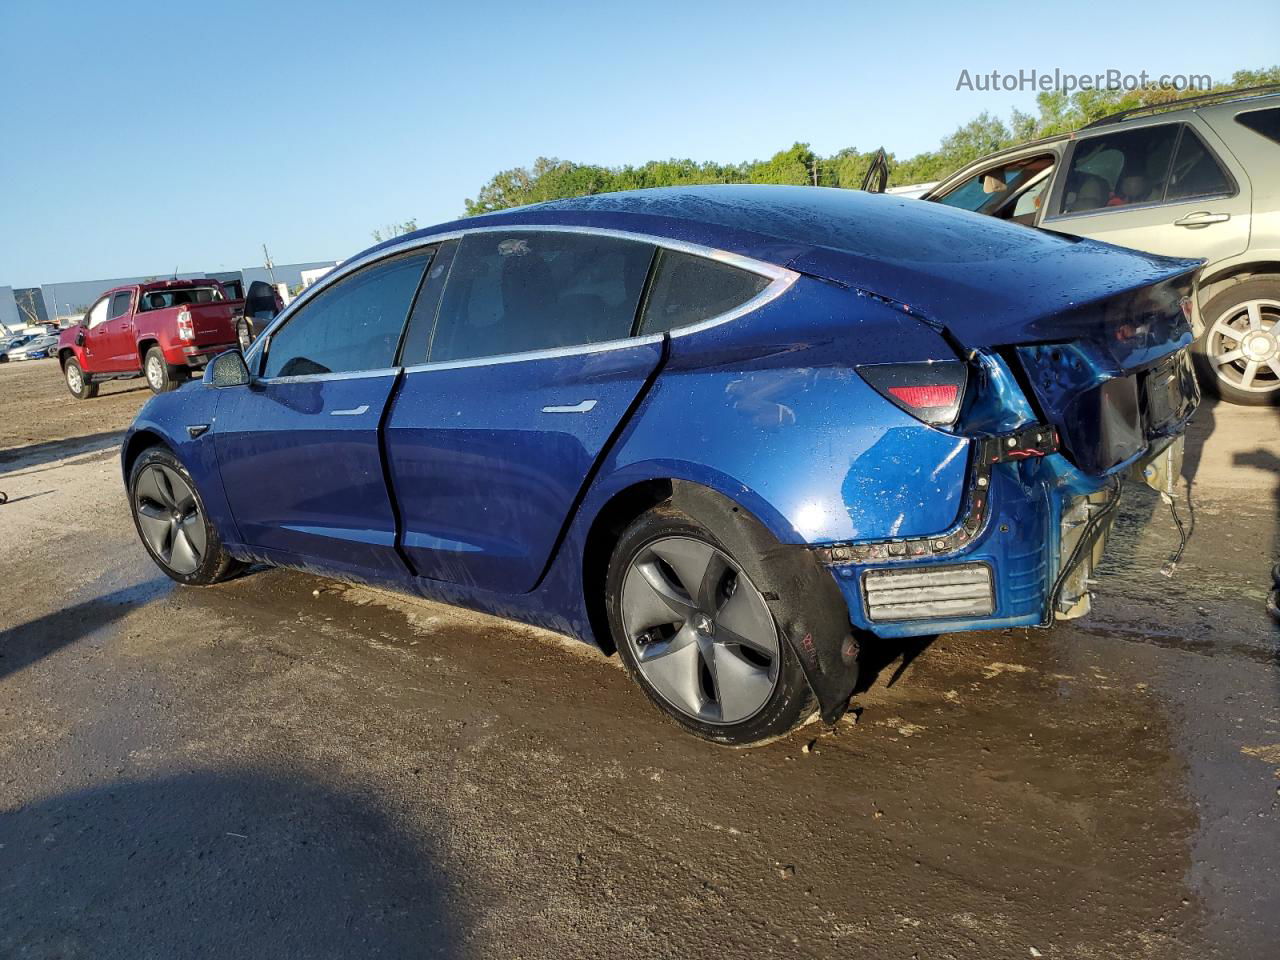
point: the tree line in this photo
(553, 179)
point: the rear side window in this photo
(119, 305)
(1119, 169)
(534, 290)
(689, 289)
(1265, 122)
(1195, 172)
(353, 325)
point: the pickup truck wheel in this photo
(161, 377)
(77, 383)
(1239, 354)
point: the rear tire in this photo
(77, 383)
(1238, 355)
(710, 655)
(161, 377)
(172, 524)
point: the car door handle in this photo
(1202, 219)
(586, 406)
(353, 412)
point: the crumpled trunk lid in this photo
(1096, 334)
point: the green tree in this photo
(552, 179)
(393, 230)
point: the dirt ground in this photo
(283, 766)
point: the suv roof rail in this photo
(1238, 94)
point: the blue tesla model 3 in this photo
(734, 433)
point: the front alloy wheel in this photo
(171, 521)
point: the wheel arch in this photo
(1214, 282)
(145, 344)
(136, 443)
(65, 354)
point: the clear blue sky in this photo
(143, 137)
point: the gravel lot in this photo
(261, 770)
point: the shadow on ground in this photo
(28, 642)
(37, 454)
(238, 864)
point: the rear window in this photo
(1265, 122)
(162, 299)
(530, 290)
(689, 289)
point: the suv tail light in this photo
(930, 391)
(186, 331)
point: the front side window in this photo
(98, 313)
(689, 289)
(353, 325)
(1119, 169)
(536, 290)
(985, 192)
(119, 305)
(1264, 122)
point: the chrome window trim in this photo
(781, 280)
(326, 377)
(603, 346)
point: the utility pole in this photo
(270, 265)
(814, 171)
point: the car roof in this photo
(772, 223)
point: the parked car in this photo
(163, 330)
(732, 432)
(13, 343)
(36, 348)
(1198, 178)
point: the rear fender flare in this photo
(806, 603)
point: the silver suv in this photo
(1197, 178)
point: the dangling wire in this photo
(1173, 562)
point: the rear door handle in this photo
(1202, 219)
(353, 412)
(586, 406)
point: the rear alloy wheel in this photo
(698, 636)
(1240, 350)
(79, 385)
(161, 377)
(172, 523)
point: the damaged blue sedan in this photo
(735, 433)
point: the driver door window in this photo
(997, 191)
(353, 325)
(97, 313)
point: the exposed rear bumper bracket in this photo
(1034, 441)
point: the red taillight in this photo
(186, 331)
(932, 395)
(931, 391)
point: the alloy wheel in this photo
(74, 378)
(169, 518)
(155, 373)
(1244, 346)
(701, 633)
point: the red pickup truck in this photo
(161, 330)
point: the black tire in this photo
(1229, 309)
(77, 384)
(214, 563)
(788, 705)
(161, 377)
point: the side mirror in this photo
(227, 370)
(80, 336)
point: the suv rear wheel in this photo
(1240, 351)
(77, 382)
